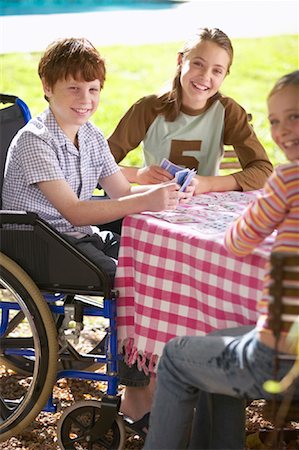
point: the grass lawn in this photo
(135, 71)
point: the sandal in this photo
(140, 427)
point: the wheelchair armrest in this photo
(53, 263)
(17, 217)
(7, 98)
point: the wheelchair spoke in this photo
(5, 412)
(15, 322)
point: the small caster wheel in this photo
(75, 428)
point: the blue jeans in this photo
(213, 374)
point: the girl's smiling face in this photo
(283, 109)
(202, 73)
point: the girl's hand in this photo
(201, 184)
(215, 183)
(152, 175)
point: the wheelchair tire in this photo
(20, 406)
(75, 424)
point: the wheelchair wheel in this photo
(73, 431)
(34, 338)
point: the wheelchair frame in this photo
(47, 280)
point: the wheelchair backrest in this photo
(52, 262)
(12, 118)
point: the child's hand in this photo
(202, 184)
(152, 175)
(185, 196)
(163, 197)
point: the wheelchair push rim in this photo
(20, 406)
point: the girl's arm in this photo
(259, 220)
(239, 133)
(215, 184)
(132, 128)
(146, 175)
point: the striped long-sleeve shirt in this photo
(276, 208)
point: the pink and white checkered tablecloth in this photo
(176, 278)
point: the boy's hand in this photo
(163, 197)
(187, 194)
(152, 175)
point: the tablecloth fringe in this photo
(145, 361)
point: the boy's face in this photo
(283, 108)
(73, 102)
(202, 73)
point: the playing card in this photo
(182, 176)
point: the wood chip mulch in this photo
(41, 434)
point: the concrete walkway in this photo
(238, 18)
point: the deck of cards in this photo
(182, 176)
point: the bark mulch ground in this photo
(41, 434)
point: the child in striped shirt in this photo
(216, 373)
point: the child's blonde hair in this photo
(172, 105)
(75, 57)
(288, 79)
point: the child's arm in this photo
(132, 128)
(116, 189)
(146, 175)
(215, 184)
(256, 166)
(259, 220)
(239, 133)
(92, 212)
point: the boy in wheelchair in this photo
(218, 372)
(57, 160)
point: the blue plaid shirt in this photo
(42, 152)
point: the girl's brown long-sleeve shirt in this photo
(194, 139)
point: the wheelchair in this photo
(47, 291)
